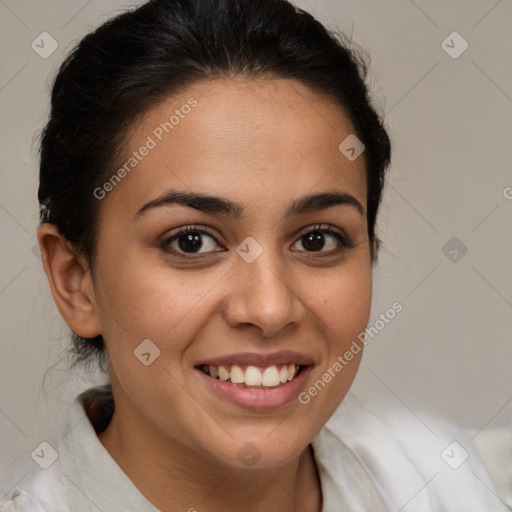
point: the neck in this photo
(173, 476)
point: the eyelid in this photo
(323, 228)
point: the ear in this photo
(70, 281)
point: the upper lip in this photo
(258, 359)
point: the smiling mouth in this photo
(249, 376)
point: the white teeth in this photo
(223, 373)
(253, 376)
(270, 376)
(237, 375)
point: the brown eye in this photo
(313, 241)
(190, 240)
(317, 239)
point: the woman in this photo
(210, 178)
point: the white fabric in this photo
(401, 451)
(495, 448)
(368, 460)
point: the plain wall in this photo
(450, 119)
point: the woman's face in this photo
(245, 287)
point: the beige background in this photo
(449, 350)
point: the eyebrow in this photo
(218, 205)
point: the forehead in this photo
(254, 141)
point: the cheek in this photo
(141, 300)
(343, 315)
(343, 311)
(341, 307)
(343, 303)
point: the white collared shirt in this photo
(365, 463)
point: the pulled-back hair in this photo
(143, 56)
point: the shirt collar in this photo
(92, 478)
(95, 482)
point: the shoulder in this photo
(39, 492)
(45, 490)
(20, 500)
(494, 445)
(416, 457)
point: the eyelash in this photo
(344, 240)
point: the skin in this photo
(263, 144)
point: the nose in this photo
(263, 296)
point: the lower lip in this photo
(263, 398)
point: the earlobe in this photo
(70, 282)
